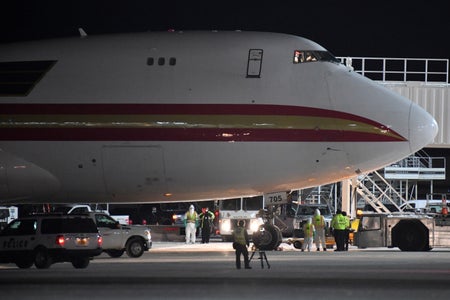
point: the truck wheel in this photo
(298, 245)
(410, 235)
(42, 259)
(135, 247)
(115, 253)
(268, 237)
(80, 262)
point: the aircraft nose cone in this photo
(422, 128)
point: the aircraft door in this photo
(133, 170)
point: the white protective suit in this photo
(191, 219)
(320, 225)
(308, 231)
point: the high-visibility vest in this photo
(319, 221)
(208, 217)
(191, 218)
(239, 236)
(308, 230)
(339, 222)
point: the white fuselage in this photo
(225, 114)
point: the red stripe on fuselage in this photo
(176, 109)
(186, 134)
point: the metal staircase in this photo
(323, 194)
(378, 192)
(386, 193)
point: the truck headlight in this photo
(148, 234)
(225, 226)
(254, 224)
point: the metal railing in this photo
(428, 70)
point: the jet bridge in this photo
(425, 82)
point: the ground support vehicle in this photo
(84, 208)
(118, 238)
(407, 231)
(7, 214)
(233, 210)
(46, 239)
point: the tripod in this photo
(262, 257)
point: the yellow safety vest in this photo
(319, 221)
(308, 229)
(339, 222)
(191, 218)
(239, 236)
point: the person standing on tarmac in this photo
(347, 231)
(190, 223)
(240, 243)
(319, 225)
(308, 232)
(206, 220)
(338, 223)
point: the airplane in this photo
(195, 115)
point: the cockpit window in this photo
(303, 56)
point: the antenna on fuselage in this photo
(83, 33)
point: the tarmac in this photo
(175, 270)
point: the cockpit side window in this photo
(304, 56)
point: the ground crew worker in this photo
(338, 223)
(308, 233)
(206, 220)
(319, 225)
(240, 243)
(190, 223)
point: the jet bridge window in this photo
(18, 78)
(304, 56)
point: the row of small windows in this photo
(161, 61)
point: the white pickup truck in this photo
(118, 238)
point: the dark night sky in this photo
(416, 28)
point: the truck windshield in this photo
(254, 203)
(4, 213)
(230, 204)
